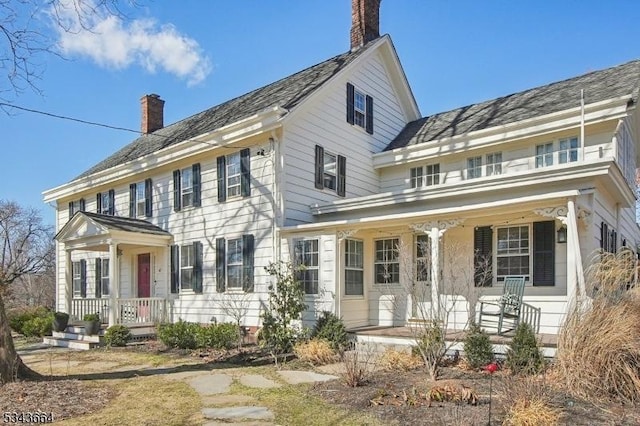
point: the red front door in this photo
(144, 275)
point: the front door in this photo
(144, 275)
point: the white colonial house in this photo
(335, 168)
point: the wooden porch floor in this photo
(545, 340)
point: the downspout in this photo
(275, 191)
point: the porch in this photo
(128, 311)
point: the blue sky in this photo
(197, 54)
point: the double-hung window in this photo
(76, 268)
(186, 267)
(141, 198)
(416, 177)
(544, 155)
(234, 264)
(432, 177)
(359, 108)
(513, 251)
(102, 277)
(423, 259)
(425, 176)
(494, 164)
(330, 170)
(186, 187)
(140, 202)
(307, 260)
(187, 260)
(353, 268)
(387, 261)
(234, 175)
(76, 206)
(474, 167)
(106, 202)
(568, 150)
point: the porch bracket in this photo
(346, 233)
(559, 213)
(441, 225)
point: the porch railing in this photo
(82, 307)
(531, 315)
(142, 310)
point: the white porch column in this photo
(114, 284)
(68, 284)
(574, 245)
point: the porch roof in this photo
(92, 229)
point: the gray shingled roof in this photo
(286, 93)
(598, 86)
(125, 224)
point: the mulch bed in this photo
(61, 399)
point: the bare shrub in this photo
(358, 367)
(315, 352)
(599, 343)
(393, 360)
(528, 402)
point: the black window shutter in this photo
(82, 207)
(176, 191)
(83, 278)
(604, 236)
(350, 103)
(319, 167)
(70, 209)
(99, 203)
(483, 248)
(132, 200)
(196, 185)
(148, 198)
(544, 259)
(175, 269)
(245, 167)
(220, 265)
(248, 249)
(197, 267)
(369, 116)
(221, 164)
(98, 278)
(342, 174)
(112, 202)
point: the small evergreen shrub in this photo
(31, 322)
(91, 317)
(38, 326)
(523, 354)
(218, 336)
(332, 329)
(182, 334)
(478, 349)
(315, 351)
(117, 335)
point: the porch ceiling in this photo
(92, 231)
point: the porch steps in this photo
(70, 343)
(74, 338)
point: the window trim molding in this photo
(529, 254)
(352, 268)
(375, 262)
(295, 242)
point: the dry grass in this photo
(599, 345)
(393, 360)
(316, 352)
(528, 402)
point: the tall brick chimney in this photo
(365, 22)
(152, 113)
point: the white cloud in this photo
(112, 43)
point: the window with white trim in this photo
(494, 164)
(360, 108)
(186, 187)
(330, 170)
(568, 150)
(544, 155)
(387, 261)
(513, 251)
(423, 259)
(105, 203)
(306, 257)
(353, 268)
(234, 175)
(474, 167)
(76, 206)
(76, 270)
(104, 277)
(141, 198)
(187, 260)
(432, 175)
(234, 264)
(416, 177)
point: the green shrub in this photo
(523, 354)
(117, 335)
(332, 329)
(30, 321)
(181, 334)
(478, 349)
(218, 336)
(91, 317)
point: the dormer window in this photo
(359, 108)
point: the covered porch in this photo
(439, 263)
(115, 267)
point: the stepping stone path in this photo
(222, 407)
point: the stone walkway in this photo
(223, 408)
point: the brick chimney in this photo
(152, 113)
(365, 22)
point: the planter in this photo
(60, 321)
(91, 327)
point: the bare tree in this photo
(235, 305)
(24, 250)
(434, 311)
(26, 38)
